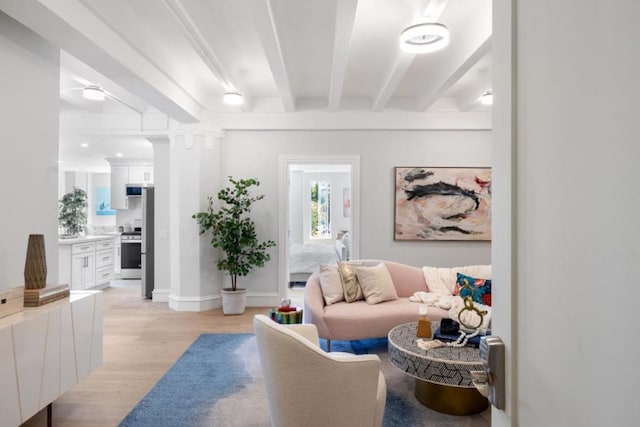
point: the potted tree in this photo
(234, 232)
(73, 212)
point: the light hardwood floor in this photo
(142, 340)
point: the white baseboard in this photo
(209, 302)
(202, 303)
(161, 295)
(263, 299)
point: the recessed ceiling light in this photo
(84, 145)
(424, 38)
(118, 154)
(233, 98)
(487, 98)
(93, 93)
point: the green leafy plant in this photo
(233, 231)
(73, 211)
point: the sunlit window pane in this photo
(320, 209)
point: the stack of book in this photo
(38, 297)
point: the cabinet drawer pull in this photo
(105, 257)
(85, 247)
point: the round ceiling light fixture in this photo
(424, 38)
(487, 98)
(93, 92)
(233, 98)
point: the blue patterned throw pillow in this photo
(481, 292)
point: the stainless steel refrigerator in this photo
(147, 241)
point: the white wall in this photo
(577, 213)
(162, 285)
(29, 80)
(296, 220)
(256, 154)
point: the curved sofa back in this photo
(406, 278)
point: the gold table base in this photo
(449, 399)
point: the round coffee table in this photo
(443, 381)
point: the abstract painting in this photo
(442, 203)
(346, 202)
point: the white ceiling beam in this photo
(265, 25)
(86, 75)
(399, 69)
(345, 18)
(198, 43)
(445, 77)
(73, 27)
(364, 121)
(431, 12)
(469, 43)
(470, 96)
(204, 50)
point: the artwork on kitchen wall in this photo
(438, 203)
(103, 201)
(346, 202)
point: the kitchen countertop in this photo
(84, 239)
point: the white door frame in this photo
(504, 239)
(283, 221)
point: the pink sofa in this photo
(359, 320)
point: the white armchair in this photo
(308, 387)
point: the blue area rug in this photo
(218, 382)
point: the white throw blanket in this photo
(454, 304)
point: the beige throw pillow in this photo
(331, 284)
(376, 284)
(350, 286)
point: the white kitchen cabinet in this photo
(119, 181)
(86, 262)
(104, 262)
(83, 267)
(141, 174)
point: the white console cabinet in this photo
(45, 351)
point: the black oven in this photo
(131, 255)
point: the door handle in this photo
(491, 381)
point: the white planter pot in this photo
(233, 302)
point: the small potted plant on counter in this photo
(73, 212)
(234, 232)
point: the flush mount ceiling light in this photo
(93, 93)
(487, 98)
(424, 38)
(233, 98)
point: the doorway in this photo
(318, 221)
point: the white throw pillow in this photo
(376, 284)
(440, 281)
(331, 284)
